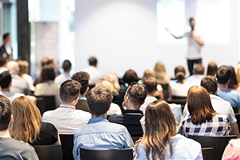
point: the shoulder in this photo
(115, 118)
(82, 113)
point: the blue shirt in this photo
(100, 134)
(183, 148)
(230, 95)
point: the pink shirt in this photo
(229, 153)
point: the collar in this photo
(133, 112)
(82, 98)
(97, 119)
(67, 106)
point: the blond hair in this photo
(238, 73)
(105, 84)
(23, 67)
(27, 120)
(160, 72)
(148, 73)
(112, 77)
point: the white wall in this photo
(122, 35)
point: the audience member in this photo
(233, 83)
(231, 152)
(223, 77)
(219, 105)
(23, 73)
(130, 77)
(180, 87)
(212, 69)
(3, 64)
(114, 108)
(47, 87)
(238, 73)
(5, 83)
(66, 118)
(163, 79)
(160, 140)
(5, 49)
(151, 87)
(95, 74)
(67, 66)
(133, 99)
(99, 133)
(11, 148)
(19, 85)
(27, 125)
(198, 74)
(83, 78)
(203, 119)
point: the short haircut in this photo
(223, 74)
(233, 83)
(199, 69)
(99, 100)
(5, 79)
(69, 91)
(151, 84)
(212, 69)
(137, 93)
(190, 19)
(130, 77)
(66, 65)
(47, 73)
(83, 78)
(210, 84)
(5, 113)
(46, 61)
(180, 73)
(3, 60)
(92, 61)
(6, 35)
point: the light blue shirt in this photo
(100, 134)
(183, 148)
(230, 95)
(220, 106)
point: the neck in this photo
(72, 103)
(102, 115)
(130, 106)
(182, 81)
(222, 86)
(4, 133)
(67, 72)
(150, 95)
(5, 89)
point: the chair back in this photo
(182, 101)
(45, 103)
(49, 152)
(116, 154)
(237, 115)
(217, 142)
(207, 153)
(135, 139)
(67, 146)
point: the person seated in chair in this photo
(198, 74)
(99, 133)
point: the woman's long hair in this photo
(160, 126)
(113, 78)
(199, 105)
(233, 84)
(26, 120)
(160, 72)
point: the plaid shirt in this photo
(218, 126)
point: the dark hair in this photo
(92, 61)
(199, 105)
(99, 100)
(5, 79)
(233, 79)
(83, 78)
(5, 113)
(66, 65)
(47, 73)
(199, 69)
(151, 84)
(223, 74)
(130, 76)
(179, 73)
(210, 84)
(6, 35)
(137, 93)
(3, 60)
(69, 90)
(46, 61)
(212, 69)
(190, 19)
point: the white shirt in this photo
(114, 109)
(194, 49)
(61, 78)
(2, 69)
(148, 100)
(11, 96)
(66, 120)
(180, 89)
(194, 79)
(29, 80)
(95, 74)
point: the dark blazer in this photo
(3, 52)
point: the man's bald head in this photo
(13, 67)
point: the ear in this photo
(11, 119)
(59, 95)
(216, 91)
(87, 90)
(143, 102)
(228, 81)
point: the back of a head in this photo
(13, 67)
(5, 79)
(210, 84)
(5, 113)
(212, 69)
(113, 78)
(199, 105)
(47, 73)
(83, 78)
(67, 65)
(148, 73)
(180, 73)
(92, 61)
(5, 36)
(27, 120)
(130, 77)
(238, 73)
(69, 91)
(137, 93)
(223, 74)
(199, 69)
(99, 100)
(23, 67)
(151, 84)
(46, 61)
(233, 83)
(3, 61)
(160, 71)
(106, 84)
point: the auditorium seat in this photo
(67, 146)
(49, 152)
(237, 115)
(207, 153)
(45, 103)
